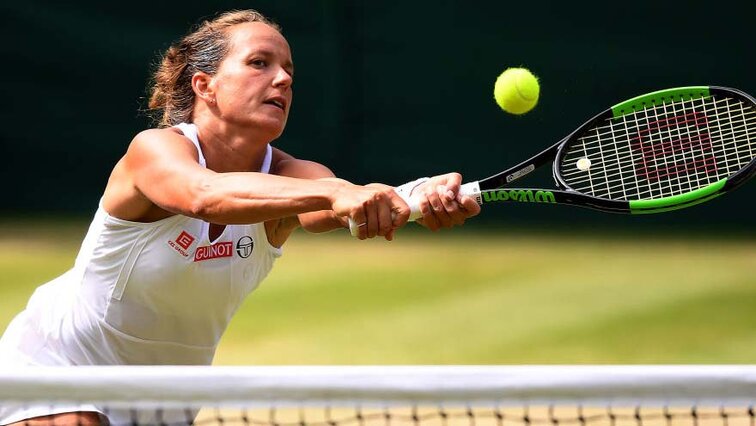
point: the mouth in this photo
(277, 101)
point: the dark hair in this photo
(171, 95)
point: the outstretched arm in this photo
(160, 172)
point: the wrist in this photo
(336, 187)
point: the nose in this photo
(283, 78)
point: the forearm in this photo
(229, 198)
(323, 220)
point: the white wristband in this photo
(405, 190)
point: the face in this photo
(253, 84)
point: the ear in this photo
(203, 87)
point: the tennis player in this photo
(194, 216)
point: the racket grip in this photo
(471, 189)
(413, 203)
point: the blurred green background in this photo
(466, 298)
(388, 91)
(385, 91)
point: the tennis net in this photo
(383, 396)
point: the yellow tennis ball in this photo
(516, 90)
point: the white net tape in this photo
(173, 395)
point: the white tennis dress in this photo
(139, 293)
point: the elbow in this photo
(200, 208)
(203, 204)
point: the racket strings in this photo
(707, 164)
(667, 150)
(745, 124)
(726, 150)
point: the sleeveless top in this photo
(143, 293)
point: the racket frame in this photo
(495, 188)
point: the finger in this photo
(447, 198)
(456, 214)
(390, 235)
(453, 182)
(371, 213)
(358, 217)
(435, 203)
(471, 207)
(429, 219)
(438, 208)
(362, 231)
(386, 221)
(400, 211)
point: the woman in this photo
(194, 215)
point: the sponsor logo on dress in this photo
(214, 251)
(182, 242)
(244, 246)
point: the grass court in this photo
(464, 298)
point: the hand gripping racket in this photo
(657, 152)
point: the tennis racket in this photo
(657, 152)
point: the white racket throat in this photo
(471, 189)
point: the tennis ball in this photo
(516, 90)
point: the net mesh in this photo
(471, 416)
(670, 149)
(439, 416)
(364, 396)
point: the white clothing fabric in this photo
(139, 293)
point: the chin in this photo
(271, 127)
(277, 134)
(274, 127)
(274, 132)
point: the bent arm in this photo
(315, 221)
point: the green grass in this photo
(457, 298)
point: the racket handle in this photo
(471, 189)
(415, 214)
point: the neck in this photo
(231, 149)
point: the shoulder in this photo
(279, 156)
(284, 164)
(167, 136)
(161, 143)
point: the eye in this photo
(258, 63)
